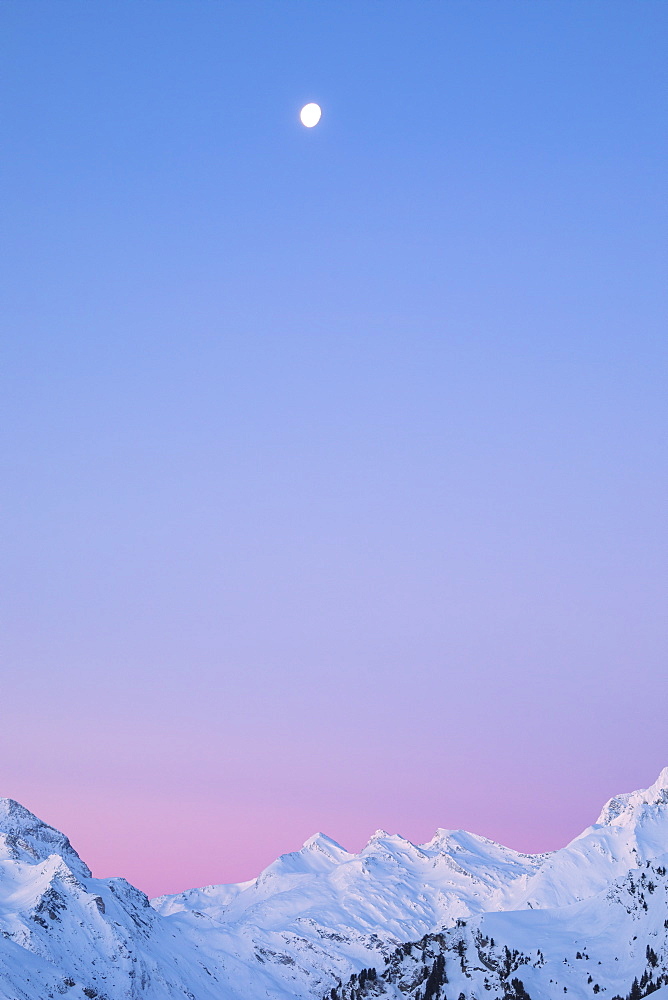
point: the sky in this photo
(333, 460)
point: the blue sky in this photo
(334, 489)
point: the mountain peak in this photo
(384, 841)
(321, 842)
(623, 806)
(13, 814)
(24, 836)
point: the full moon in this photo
(310, 115)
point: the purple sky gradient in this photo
(334, 480)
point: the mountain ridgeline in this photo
(458, 918)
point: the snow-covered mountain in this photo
(64, 932)
(458, 915)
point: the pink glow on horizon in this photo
(165, 847)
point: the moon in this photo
(310, 115)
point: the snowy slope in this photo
(63, 931)
(594, 948)
(630, 830)
(319, 915)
